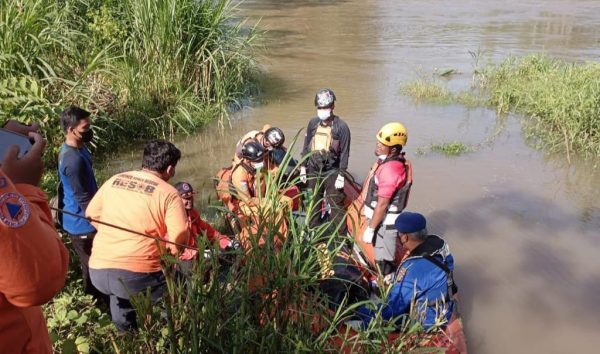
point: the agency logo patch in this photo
(14, 210)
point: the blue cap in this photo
(408, 222)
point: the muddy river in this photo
(524, 227)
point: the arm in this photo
(177, 222)
(75, 172)
(310, 132)
(344, 146)
(397, 303)
(94, 208)
(240, 184)
(33, 260)
(379, 212)
(212, 234)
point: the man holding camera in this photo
(33, 260)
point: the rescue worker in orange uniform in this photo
(248, 186)
(271, 139)
(327, 143)
(122, 263)
(243, 175)
(198, 228)
(33, 259)
(387, 187)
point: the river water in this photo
(524, 227)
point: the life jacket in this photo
(399, 198)
(432, 249)
(324, 147)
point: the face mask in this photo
(382, 157)
(86, 136)
(323, 114)
(258, 165)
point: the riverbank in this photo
(144, 69)
(558, 100)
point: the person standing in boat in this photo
(123, 263)
(387, 187)
(327, 144)
(424, 279)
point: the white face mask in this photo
(258, 165)
(382, 157)
(323, 113)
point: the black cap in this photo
(184, 187)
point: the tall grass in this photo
(559, 100)
(145, 68)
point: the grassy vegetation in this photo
(268, 300)
(560, 100)
(427, 90)
(433, 90)
(454, 148)
(144, 68)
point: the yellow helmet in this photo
(392, 134)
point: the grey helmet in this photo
(324, 98)
(275, 137)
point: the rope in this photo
(124, 229)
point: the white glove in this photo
(303, 174)
(368, 235)
(354, 324)
(339, 182)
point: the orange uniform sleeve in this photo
(240, 182)
(33, 259)
(176, 221)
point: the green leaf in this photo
(72, 315)
(82, 319)
(68, 347)
(83, 345)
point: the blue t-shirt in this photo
(79, 186)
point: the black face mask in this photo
(87, 136)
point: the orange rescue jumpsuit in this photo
(33, 267)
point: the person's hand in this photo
(303, 174)
(234, 245)
(21, 128)
(339, 182)
(28, 169)
(368, 234)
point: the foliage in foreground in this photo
(145, 68)
(267, 300)
(560, 100)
